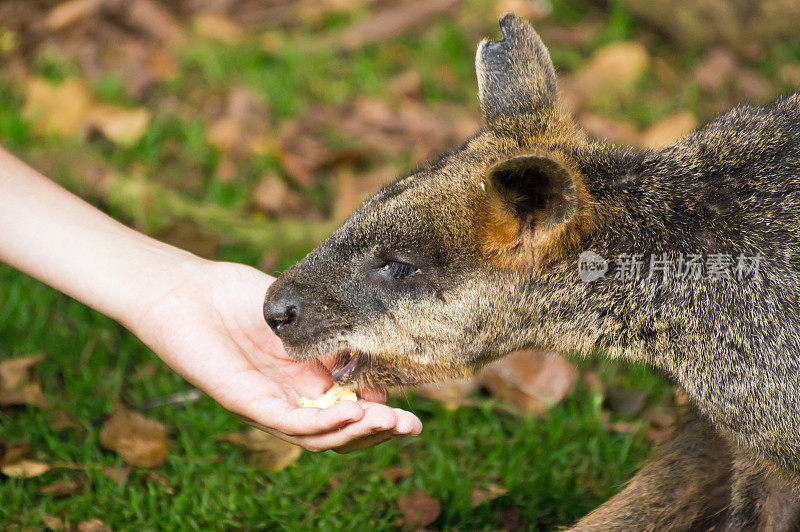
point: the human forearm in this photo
(63, 241)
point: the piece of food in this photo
(336, 394)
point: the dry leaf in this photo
(718, 67)
(594, 382)
(70, 12)
(397, 473)
(14, 372)
(352, 189)
(388, 23)
(626, 427)
(753, 86)
(118, 474)
(530, 10)
(273, 196)
(668, 130)
(93, 525)
(141, 441)
(625, 402)
(661, 416)
(60, 420)
(151, 18)
(218, 27)
(531, 380)
(52, 522)
(25, 469)
(452, 393)
(680, 397)
(790, 74)
(123, 126)
(61, 488)
(613, 131)
(486, 493)
(56, 108)
(241, 129)
(613, 69)
(13, 453)
(419, 510)
(30, 394)
(368, 130)
(268, 451)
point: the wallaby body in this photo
(477, 254)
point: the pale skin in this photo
(202, 318)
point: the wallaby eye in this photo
(399, 270)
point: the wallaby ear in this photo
(532, 209)
(515, 75)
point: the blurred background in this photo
(248, 130)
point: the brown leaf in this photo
(397, 473)
(790, 74)
(141, 441)
(669, 129)
(367, 130)
(268, 451)
(217, 27)
(570, 35)
(157, 478)
(594, 382)
(388, 23)
(419, 509)
(408, 83)
(453, 393)
(626, 427)
(241, 129)
(660, 415)
(680, 397)
(486, 493)
(52, 522)
(613, 69)
(531, 380)
(14, 372)
(122, 126)
(625, 402)
(613, 131)
(56, 108)
(12, 454)
(25, 469)
(530, 10)
(60, 488)
(717, 67)
(70, 12)
(60, 420)
(93, 525)
(150, 18)
(273, 196)
(30, 394)
(118, 474)
(753, 86)
(352, 189)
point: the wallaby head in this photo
(428, 279)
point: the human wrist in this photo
(159, 273)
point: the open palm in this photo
(209, 328)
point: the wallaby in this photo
(530, 234)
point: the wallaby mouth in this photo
(346, 367)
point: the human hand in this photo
(207, 325)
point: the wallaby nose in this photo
(282, 312)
